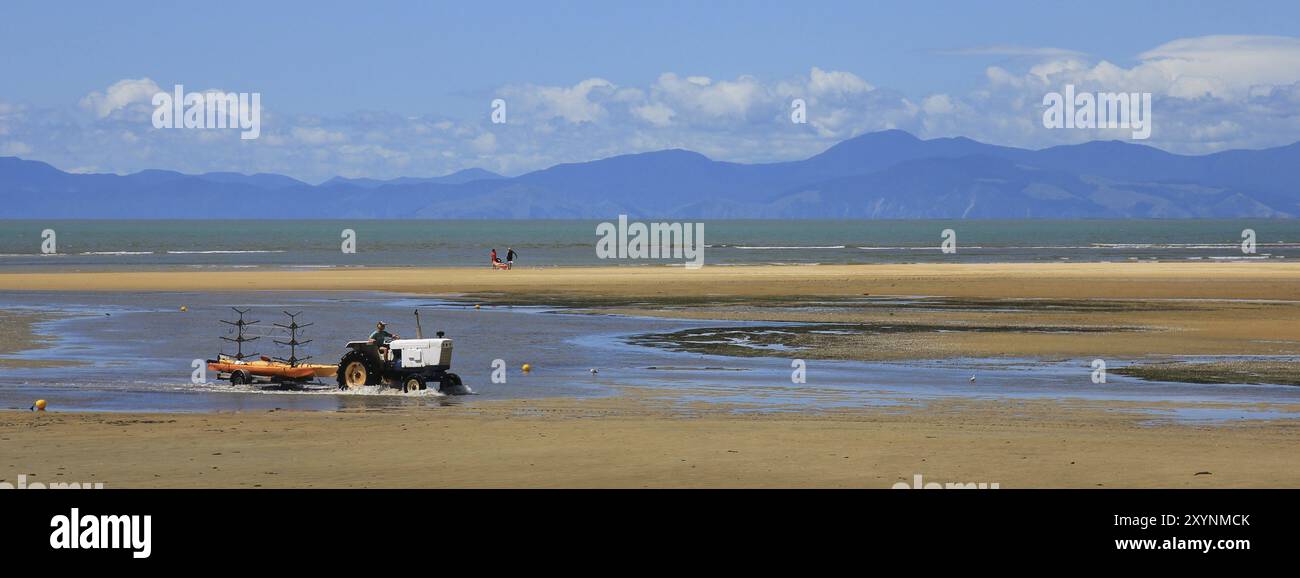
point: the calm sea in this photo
(310, 243)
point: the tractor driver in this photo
(381, 337)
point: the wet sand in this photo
(644, 439)
(901, 329)
(1044, 310)
(1233, 371)
(641, 440)
(18, 333)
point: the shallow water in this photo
(135, 352)
(118, 245)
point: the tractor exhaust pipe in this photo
(419, 332)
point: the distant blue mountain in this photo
(261, 180)
(889, 174)
(456, 178)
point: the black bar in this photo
(1079, 525)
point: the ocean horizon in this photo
(543, 243)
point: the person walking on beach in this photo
(510, 256)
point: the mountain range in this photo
(881, 175)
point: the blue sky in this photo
(403, 88)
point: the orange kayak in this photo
(322, 370)
(264, 369)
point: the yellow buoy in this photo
(184, 308)
(39, 405)
(527, 368)
(476, 306)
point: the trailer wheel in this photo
(413, 384)
(239, 378)
(356, 370)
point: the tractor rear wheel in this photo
(412, 384)
(356, 370)
(448, 381)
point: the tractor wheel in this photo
(356, 370)
(239, 378)
(412, 384)
(448, 381)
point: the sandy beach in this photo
(639, 440)
(644, 438)
(1208, 280)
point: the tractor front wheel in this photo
(239, 378)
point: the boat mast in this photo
(239, 338)
(293, 342)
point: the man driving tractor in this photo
(386, 359)
(381, 337)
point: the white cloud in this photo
(698, 95)
(656, 113)
(822, 82)
(937, 104)
(118, 96)
(574, 104)
(1225, 66)
(1211, 93)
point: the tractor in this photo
(411, 364)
